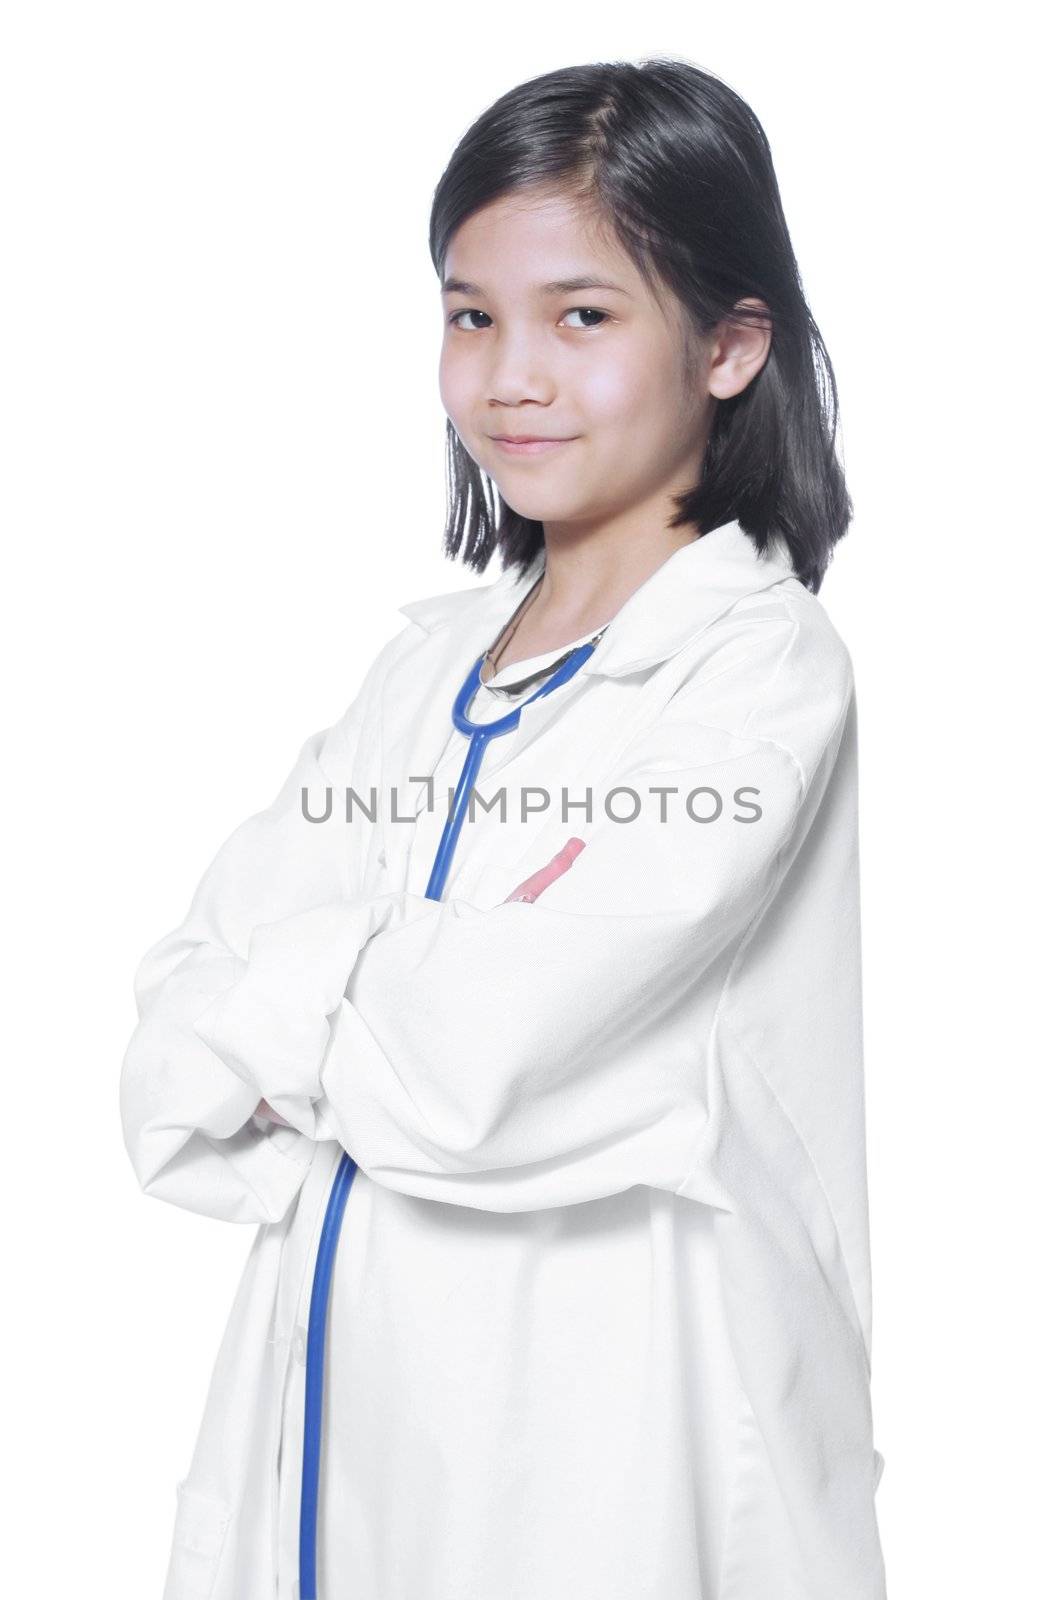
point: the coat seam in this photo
(735, 1032)
(772, 1092)
(708, 1136)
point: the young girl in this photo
(596, 1312)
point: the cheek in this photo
(456, 385)
(623, 392)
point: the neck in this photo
(588, 577)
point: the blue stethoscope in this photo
(479, 735)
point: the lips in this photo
(527, 445)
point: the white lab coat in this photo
(677, 1019)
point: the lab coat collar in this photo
(686, 593)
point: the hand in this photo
(533, 887)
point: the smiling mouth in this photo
(527, 446)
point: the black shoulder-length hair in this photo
(680, 167)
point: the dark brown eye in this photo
(588, 311)
(467, 312)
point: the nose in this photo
(519, 371)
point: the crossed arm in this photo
(511, 1057)
(527, 892)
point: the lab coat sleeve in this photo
(188, 1119)
(532, 1055)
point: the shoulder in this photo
(401, 656)
(772, 669)
(451, 607)
(355, 726)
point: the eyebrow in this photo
(556, 286)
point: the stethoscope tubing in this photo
(479, 734)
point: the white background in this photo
(222, 455)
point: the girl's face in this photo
(551, 332)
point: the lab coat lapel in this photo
(675, 605)
(688, 592)
(536, 717)
(684, 596)
(679, 601)
(417, 720)
(416, 715)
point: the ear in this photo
(739, 349)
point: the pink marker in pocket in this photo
(533, 887)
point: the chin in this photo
(541, 507)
